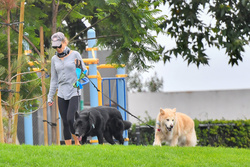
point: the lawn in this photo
(116, 155)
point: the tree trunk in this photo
(9, 79)
(54, 15)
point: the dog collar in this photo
(158, 123)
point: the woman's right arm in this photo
(53, 83)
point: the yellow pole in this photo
(91, 61)
(43, 88)
(1, 121)
(99, 85)
(20, 40)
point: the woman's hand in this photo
(50, 103)
(78, 64)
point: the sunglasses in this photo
(55, 47)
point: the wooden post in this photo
(20, 53)
(53, 120)
(43, 88)
(57, 123)
(1, 121)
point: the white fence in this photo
(203, 105)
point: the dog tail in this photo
(127, 125)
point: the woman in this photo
(63, 76)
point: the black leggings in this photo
(67, 109)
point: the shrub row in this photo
(225, 133)
(234, 133)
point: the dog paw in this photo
(156, 144)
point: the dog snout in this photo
(77, 133)
(171, 126)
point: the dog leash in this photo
(120, 106)
(79, 70)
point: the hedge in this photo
(215, 133)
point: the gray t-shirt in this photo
(63, 76)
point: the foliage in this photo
(116, 155)
(28, 90)
(2, 69)
(50, 52)
(142, 134)
(217, 133)
(8, 4)
(9, 67)
(126, 27)
(224, 133)
(192, 35)
(152, 84)
(135, 83)
(122, 26)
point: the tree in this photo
(9, 67)
(127, 26)
(154, 84)
(136, 84)
(8, 5)
(122, 26)
(193, 36)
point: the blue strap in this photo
(86, 80)
(78, 73)
(81, 76)
(85, 72)
(78, 84)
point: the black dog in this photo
(102, 122)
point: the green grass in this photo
(108, 155)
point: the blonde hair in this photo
(65, 40)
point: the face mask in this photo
(64, 53)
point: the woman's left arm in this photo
(80, 58)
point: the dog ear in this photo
(174, 110)
(162, 111)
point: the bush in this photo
(215, 133)
(223, 133)
(142, 134)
